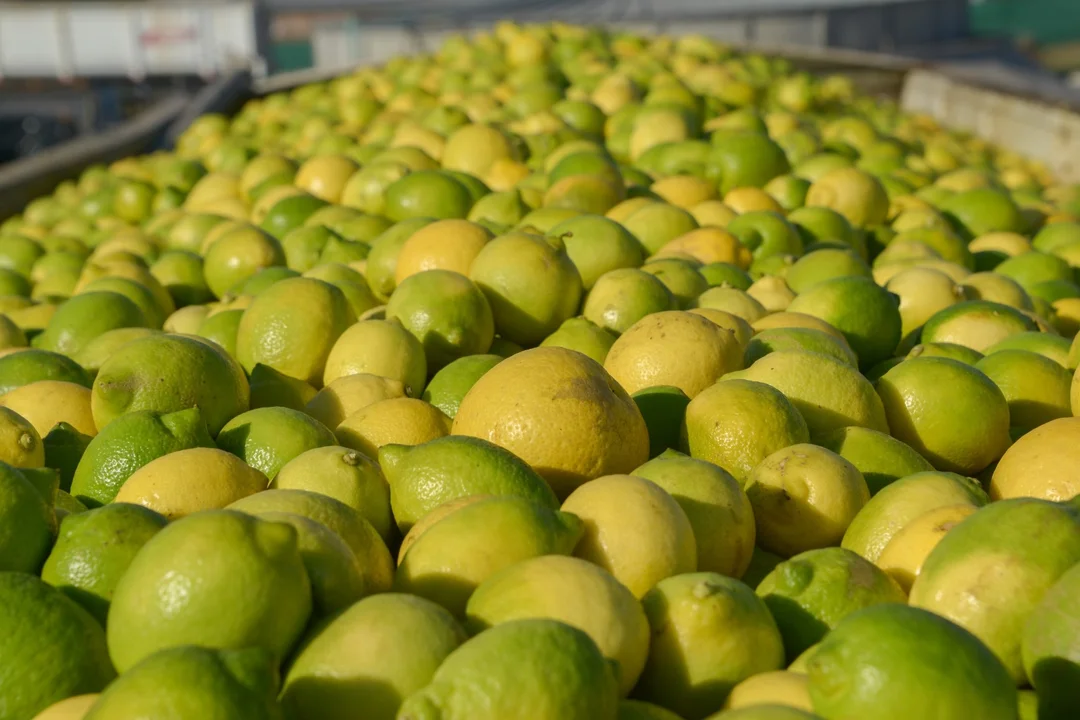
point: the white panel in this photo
(103, 41)
(29, 43)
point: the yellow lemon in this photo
(349, 394)
(674, 348)
(1004, 243)
(504, 174)
(741, 329)
(560, 412)
(994, 287)
(734, 301)
(904, 555)
(796, 320)
(20, 443)
(402, 421)
(324, 176)
(475, 148)
(772, 292)
(779, 687)
(923, 292)
(427, 521)
(441, 245)
(1041, 464)
(575, 592)
(73, 708)
(708, 245)
(751, 199)
(713, 213)
(804, 497)
(685, 191)
(188, 481)
(47, 402)
(614, 509)
(627, 207)
(379, 347)
(855, 194)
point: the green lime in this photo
(830, 394)
(736, 424)
(304, 245)
(43, 627)
(260, 281)
(446, 312)
(504, 209)
(904, 500)
(766, 234)
(584, 336)
(455, 555)
(267, 438)
(907, 648)
(714, 502)
(1028, 544)
(334, 671)
(28, 366)
(530, 283)
(292, 327)
(983, 210)
(825, 264)
(722, 273)
(813, 591)
(449, 385)
(425, 476)
(221, 328)
(476, 681)
(101, 348)
(555, 587)
(64, 448)
(211, 553)
(949, 412)
(132, 441)
(94, 549)
(664, 409)
(681, 277)
(1052, 347)
(656, 224)
(867, 314)
(181, 273)
(382, 261)
(1049, 644)
(597, 245)
(1035, 387)
(240, 683)
(237, 255)
(26, 510)
(270, 388)
(427, 193)
(798, 338)
(290, 213)
(86, 316)
(166, 373)
(622, 297)
(881, 458)
(946, 350)
(376, 565)
(976, 324)
(691, 668)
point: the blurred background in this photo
(72, 68)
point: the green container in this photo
(289, 55)
(1044, 21)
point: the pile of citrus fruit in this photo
(558, 375)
